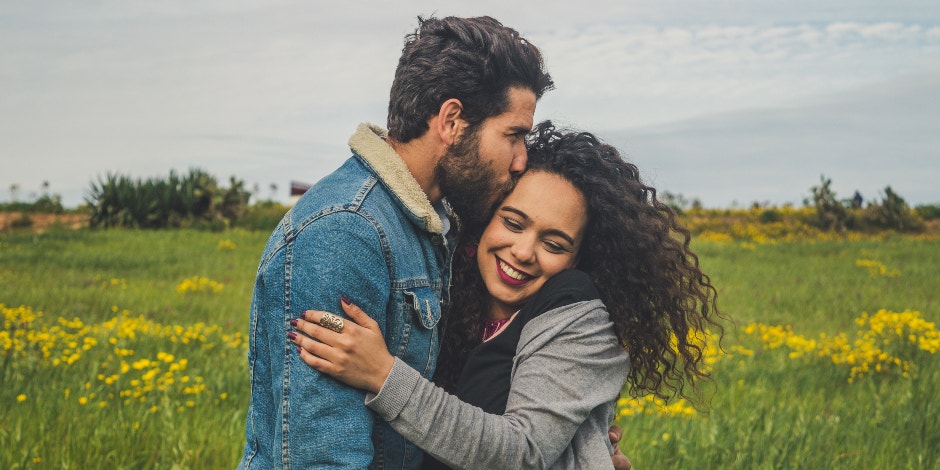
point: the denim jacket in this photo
(366, 231)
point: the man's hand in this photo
(621, 462)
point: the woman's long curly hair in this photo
(634, 249)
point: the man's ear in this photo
(448, 123)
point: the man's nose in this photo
(518, 163)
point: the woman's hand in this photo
(357, 356)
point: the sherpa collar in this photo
(369, 142)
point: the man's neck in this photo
(421, 156)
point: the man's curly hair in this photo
(475, 60)
(638, 255)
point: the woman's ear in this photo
(449, 123)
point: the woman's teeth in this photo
(512, 273)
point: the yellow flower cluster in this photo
(706, 342)
(113, 283)
(889, 327)
(767, 225)
(118, 372)
(652, 405)
(776, 336)
(226, 245)
(719, 238)
(876, 268)
(199, 284)
(63, 342)
(887, 344)
(726, 226)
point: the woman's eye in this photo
(512, 224)
(554, 247)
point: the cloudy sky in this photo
(729, 102)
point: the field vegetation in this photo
(127, 348)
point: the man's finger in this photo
(614, 434)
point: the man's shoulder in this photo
(351, 187)
(352, 194)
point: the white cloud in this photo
(882, 135)
(653, 74)
(270, 90)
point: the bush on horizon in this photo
(45, 204)
(191, 200)
(891, 212)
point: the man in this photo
(378, 229)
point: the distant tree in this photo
(234, 200)
(14, 192)
(893, 213)
(676, 201)
(928, 211)
(830, 213)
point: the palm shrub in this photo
(189, 200)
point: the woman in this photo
(537, 352)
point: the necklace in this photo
(490, 327)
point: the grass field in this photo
(126, 349)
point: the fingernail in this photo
(293, 322)
(345, 300)
(291, 335)
(298, 349)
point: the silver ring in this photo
(331, 322)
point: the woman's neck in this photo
(499, 311)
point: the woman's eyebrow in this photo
(514, 211)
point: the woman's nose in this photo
(523, 250)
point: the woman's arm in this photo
(568, 364)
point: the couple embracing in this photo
(466, 291)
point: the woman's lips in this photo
(511, 275)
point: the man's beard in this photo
(471, 186)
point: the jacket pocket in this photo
(425, 305)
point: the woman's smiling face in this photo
(535, 233)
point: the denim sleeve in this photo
(324, 423)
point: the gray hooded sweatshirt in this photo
(567, 374)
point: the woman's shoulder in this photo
(565, 288)
(574, 280)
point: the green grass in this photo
(767, 410)
(816, 286)
(68, 274)
(772, 411)
(61, 273)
